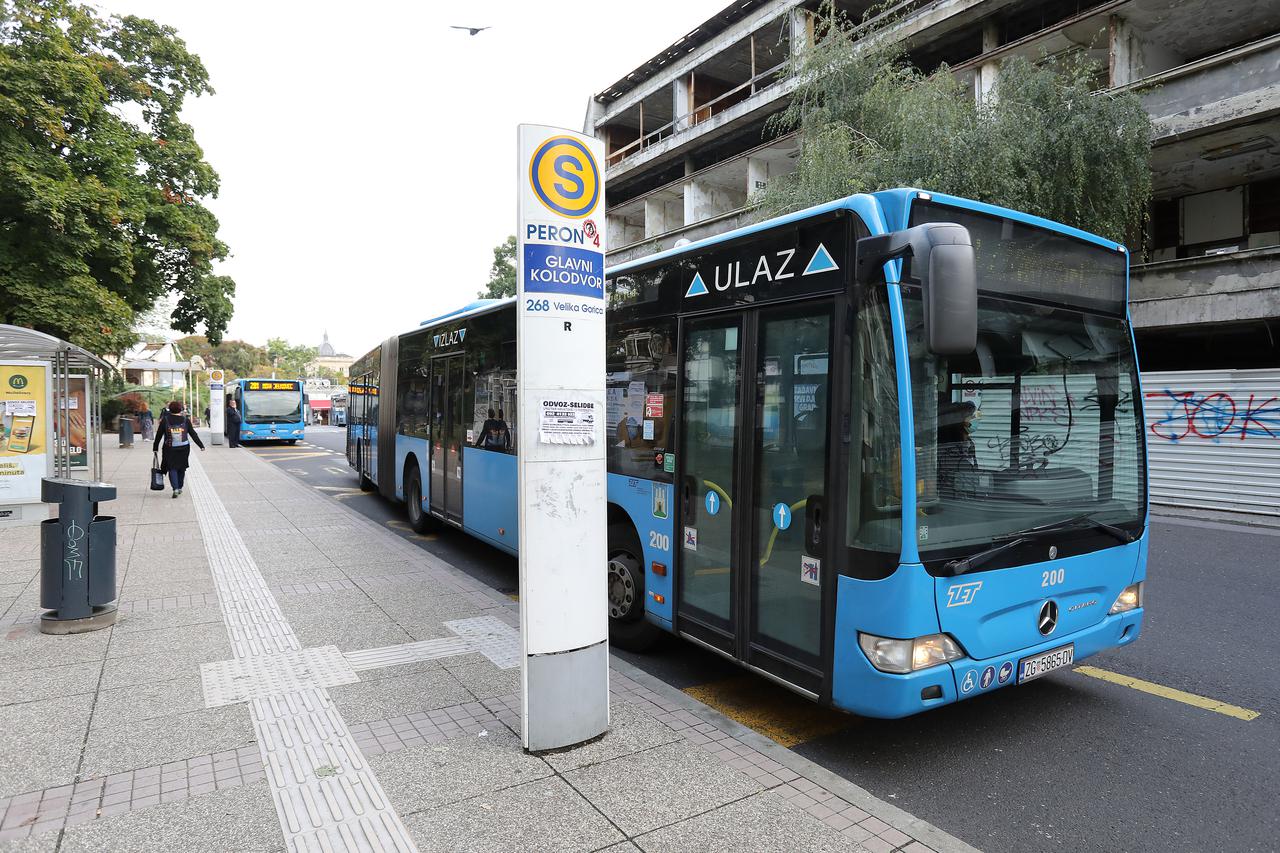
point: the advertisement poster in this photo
(25, 433)
(78, 413)
(565, 422)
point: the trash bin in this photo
(77, 558)
(126, 431)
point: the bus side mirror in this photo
(939, 257)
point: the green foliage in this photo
(1046, 143)
(101, 182)
(241, 359)
(289, 361)
(502, 274)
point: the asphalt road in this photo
(1069, 762)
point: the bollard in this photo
(77, 558)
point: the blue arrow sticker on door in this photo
(781, 516)
(713, 503)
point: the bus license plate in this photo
(1045, 662)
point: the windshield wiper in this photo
(1118, 533)
(966, 564)
(959, 567)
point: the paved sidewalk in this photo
(286, 674)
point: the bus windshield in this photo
(271, 407)
(1040, 424)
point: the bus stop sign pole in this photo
(216, 405)
(560, 393)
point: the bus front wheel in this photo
(627, 626)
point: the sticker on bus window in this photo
(690, 539)
(811, 570)
(648, 430)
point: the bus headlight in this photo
(902, 656)
(1130, 598)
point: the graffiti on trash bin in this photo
(72, 559)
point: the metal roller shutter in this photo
(1213, 439)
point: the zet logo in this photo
(18, 381)
(565, 177)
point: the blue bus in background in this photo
(270, 409)
(887, 451)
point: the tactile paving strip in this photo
(328, 796)
(408, 653)
(491, 637)
(229, 681)
(325, 793)
(254, 620)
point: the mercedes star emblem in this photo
(1048, 618)
(1053, 551)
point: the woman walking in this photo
(177, 433)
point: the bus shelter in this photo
(51, 403)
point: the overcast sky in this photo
(367, 150)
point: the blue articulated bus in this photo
(887, 451)
(270, 409)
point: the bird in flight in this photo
(471, 30)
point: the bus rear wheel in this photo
(627, 626)
(418, 518)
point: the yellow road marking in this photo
(343, 489)
(1170, 693)
(773, 711)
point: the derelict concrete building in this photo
(689, 141)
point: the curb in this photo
(921, 830)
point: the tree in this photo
(502, 274)
(239, 358)
(290, 361)
(101, 182)
(1043, 143)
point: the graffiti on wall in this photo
(1216, 416)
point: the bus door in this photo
(754, 562)
(447, 431)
